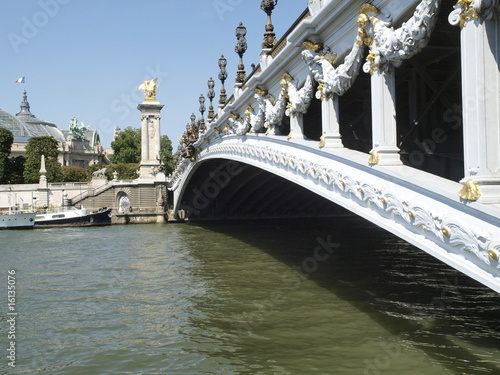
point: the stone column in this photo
(481, 105)
(150, 139)
(330, 121)
(384, 131)
(296, 126)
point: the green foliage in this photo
(127, 146)
(15, 170)
(6, 141)
(38, 146)
(92, 168)
(127, 149)
(167, 158)
(125, 171)
(74, 174)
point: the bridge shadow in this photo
(412, 295)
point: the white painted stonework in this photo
(421, 208)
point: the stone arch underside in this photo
(225, 189)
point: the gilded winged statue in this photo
(149, 87)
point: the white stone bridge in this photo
(402, 129)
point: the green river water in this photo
(314, 296)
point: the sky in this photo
(87, 58)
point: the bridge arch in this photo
(448, 208)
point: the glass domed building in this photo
(73, 152)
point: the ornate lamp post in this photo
(269, 36)
(222, 77)
(211, 96)
(201, 123)
(241, 47)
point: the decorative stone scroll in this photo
(466, 10)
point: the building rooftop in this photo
(25, 125)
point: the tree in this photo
(73, 174)
(127, 149)
(167, 158)
(127, 146)
(38, 146)
(6, 141)
(15, 170)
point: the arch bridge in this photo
(386, 110)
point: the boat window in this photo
(57, 216)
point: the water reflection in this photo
(383, 292)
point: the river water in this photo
(315, 296)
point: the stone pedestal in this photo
(150, 139)
(330, 121)
(384, 117)
(296, 126)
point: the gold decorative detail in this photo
(468, 12)
(374, 157)
(327, 175)
(206, 140)
(411, 214)
(363, 38)
(470, 191)
(149, 87)
(234, 115)
(424, 227)
(384, 201)
(217, 130)
(227, 128)
(285, 79)
(361, 190)
(316, 47)
(322, 142)
(493, 255)
(289, 136)
(261, 92)
(446, 232)
(369, 8)
(332, 58)
(342, 183)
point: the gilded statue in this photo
(149, 87)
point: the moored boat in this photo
(10, 218)
(73, 217)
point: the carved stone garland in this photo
(392, 47)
